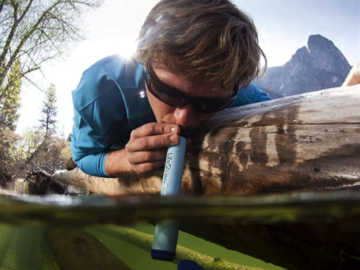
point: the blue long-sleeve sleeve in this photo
(93, 164)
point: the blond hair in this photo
(201, 40)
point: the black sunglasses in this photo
(176, 98)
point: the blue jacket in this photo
(109, 103)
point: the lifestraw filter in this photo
(166, 233)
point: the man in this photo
(194, 58)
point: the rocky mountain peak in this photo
(327, 56)
(318, 66)
(318, 42)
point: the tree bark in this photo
(305, 142)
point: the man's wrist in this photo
(116, 163)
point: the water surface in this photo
(27, 240)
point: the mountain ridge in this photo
(320, 65)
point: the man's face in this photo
(186, 117)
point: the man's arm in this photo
(99, 118)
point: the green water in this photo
(26, 248)
(58, 232)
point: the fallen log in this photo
(304, 142)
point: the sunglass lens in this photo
(212, 107)
(165, 94)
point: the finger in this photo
(145, 168)
(154, 129)
(147, 156)
(152, 142)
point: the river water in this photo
(70, 232)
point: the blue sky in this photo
(283, 25)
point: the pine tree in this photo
(49, 112)
(10, 98)
(53, 152)
(9, 105)
(42, 156)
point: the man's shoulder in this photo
(115, 64)
(249, 95)
(105, 74)
(108, 59)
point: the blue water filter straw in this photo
(166, 233)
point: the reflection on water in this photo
(265, 209)
(58, 232)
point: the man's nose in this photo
(185, 116)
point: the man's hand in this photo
(146, 150)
